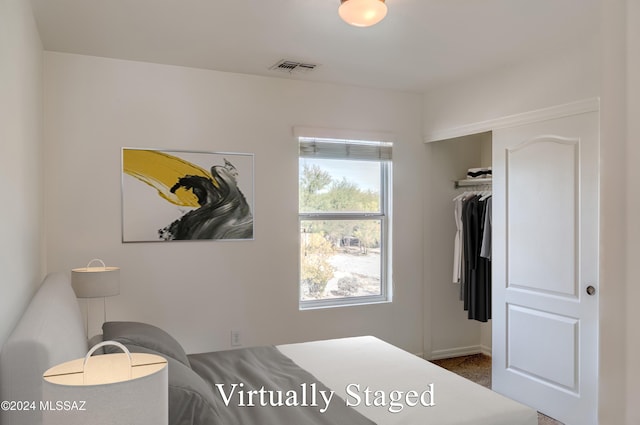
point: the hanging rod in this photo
(472, 182)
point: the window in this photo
(345, 238)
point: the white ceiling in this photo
(419, 44)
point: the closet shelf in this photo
(472, 182)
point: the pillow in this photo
(191, 400)
(147, 336)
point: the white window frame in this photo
(384, 215)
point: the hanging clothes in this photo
(485, 251)
(475, 269)
(457, 242)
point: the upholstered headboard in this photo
(51, 331)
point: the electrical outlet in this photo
(235, 339)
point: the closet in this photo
(545, 255)
(452, 332)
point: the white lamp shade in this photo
(96, 282)
(100, 395)
(362, 13)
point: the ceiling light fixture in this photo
(362, 13)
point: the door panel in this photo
(545, 254)
(555, 366)
(541, 208)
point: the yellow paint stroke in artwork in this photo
(162, 171)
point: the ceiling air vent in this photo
(293, 66)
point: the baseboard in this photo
(460, 351)
(485, 350)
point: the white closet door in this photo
(545, 266)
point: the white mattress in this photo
(373, 363)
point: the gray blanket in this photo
(261, 386)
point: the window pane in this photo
(333, 185)
(339, 258)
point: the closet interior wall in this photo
(452, 333)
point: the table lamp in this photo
(96, 282)
(108, 389)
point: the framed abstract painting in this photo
(171, 195)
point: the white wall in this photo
(614, 332)
(523, 87)
(21, 214)
(633, 206)
(199, 291)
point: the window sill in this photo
(342, 302)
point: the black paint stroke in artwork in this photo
(223, 213)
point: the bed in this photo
(355, 381)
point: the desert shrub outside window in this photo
(344, 218)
